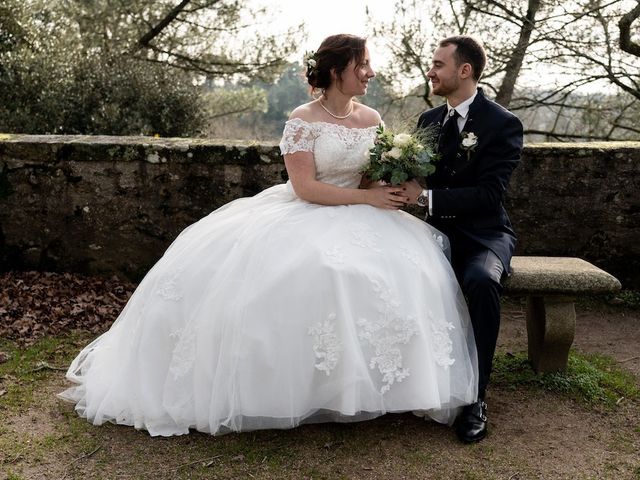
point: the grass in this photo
(13, 476)
(628, 298)
(28, 366)
(590, 378)
(57, 441)
(622, 299)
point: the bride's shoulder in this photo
(307, 112)
(367, 116)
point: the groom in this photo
(480, 143)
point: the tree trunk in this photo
(625, 32)
(505, 93)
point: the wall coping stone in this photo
(50, 148)
(186, 143)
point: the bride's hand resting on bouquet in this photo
(385, 196)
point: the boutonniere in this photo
(469, 143)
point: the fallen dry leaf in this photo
(36, 304)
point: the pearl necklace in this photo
(339, 117)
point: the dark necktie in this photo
(450, 136)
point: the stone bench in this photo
(551, 285)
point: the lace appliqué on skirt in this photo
(335, 255)
(386, 335)
(326, 345)
(441, 341)
(364, 236)
(169, 287)
(412, 256)
(183, 355)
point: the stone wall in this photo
(111, 205)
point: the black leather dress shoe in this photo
(471, 425)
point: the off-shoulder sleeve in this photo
(298, 136)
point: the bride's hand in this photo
(391, 198)
(366, 182)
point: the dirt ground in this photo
(600, 328)
(533, 434)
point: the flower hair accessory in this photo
(310, 61)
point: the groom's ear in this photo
(466, 70)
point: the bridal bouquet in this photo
(396, 158)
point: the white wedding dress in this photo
(272, 311)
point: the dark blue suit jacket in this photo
(468, 190)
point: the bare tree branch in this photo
(581, 15)
(462, 26)
(145, 40)
(610, 74)
(506, 18)
(569, 44)
(418, 63)
(630, 129)
(224, 67)
(230, 28)
(207, 4)
(507, 10)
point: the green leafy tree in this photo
(128, 67)
(290, 90)
(269, 113)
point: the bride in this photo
(313, 301)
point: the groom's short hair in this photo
(468, 50)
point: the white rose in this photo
(470, 140)
(401, 139)
(395, 152)
(311, 62)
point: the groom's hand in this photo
(412, 189)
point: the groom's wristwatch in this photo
(423, 198)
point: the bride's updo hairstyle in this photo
(335, 53)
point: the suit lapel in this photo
(472, 125)
(462, 160)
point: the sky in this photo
(329, 17)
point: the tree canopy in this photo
(130, 67)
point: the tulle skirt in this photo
(271, 312)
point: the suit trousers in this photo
(479, 272)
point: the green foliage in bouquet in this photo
(396, 158)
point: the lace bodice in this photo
(339, 152)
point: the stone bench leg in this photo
(551, 326)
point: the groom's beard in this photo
(445, 88)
